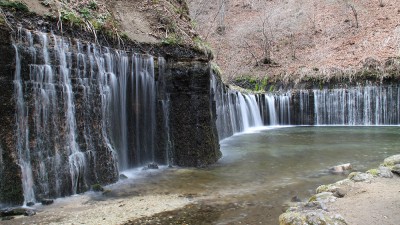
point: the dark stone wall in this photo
(10, 174)
(192, 114)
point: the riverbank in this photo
(88, 209)
(375, 202)
(363, 198)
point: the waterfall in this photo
(362, 105)
(165, 104)
(270, 103)
(369, 105)
(22, 144)
(236, 111)
(83, 112)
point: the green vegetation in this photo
(202, 45)
(97, 188)
(373, 172)
(254, 84)
(19, 6)
(71, 17)
(172, 39)
(2, 20)
(216, 68)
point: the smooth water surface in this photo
(262, 171)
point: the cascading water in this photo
(236, 112)
(363, 105)
(369, 105)
(90, 112)
(22, 134)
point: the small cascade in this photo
(272, 114)
(165, 103)
(236, 112)
(22, 134)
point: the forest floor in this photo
(301, 37)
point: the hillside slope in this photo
(142, 21)
(294, 38)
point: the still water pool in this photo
(262, 170)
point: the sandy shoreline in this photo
(370, 203)
(83, 209)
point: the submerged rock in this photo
(295, 199)
(152, 166)
(340, 168)
(29, 204)
(29, 212)
(47, 201)
(123, 176)
(359, 177)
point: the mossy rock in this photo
(392, 160)
(373, 172)
(97, 188)
(326, 188)
(359, 177)
(311, 217)
(323, 197)
(16, 5)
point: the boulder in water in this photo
(47, 201)
(152, 166)
(340, 168)
(29, 212)
(29, 204)
(123, 176)
(16, 212)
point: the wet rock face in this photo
(10, 178)
(192, 114)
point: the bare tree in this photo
(353, 10)
(355, 14)
(221, 16)
(292, 46)
(267, 38)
